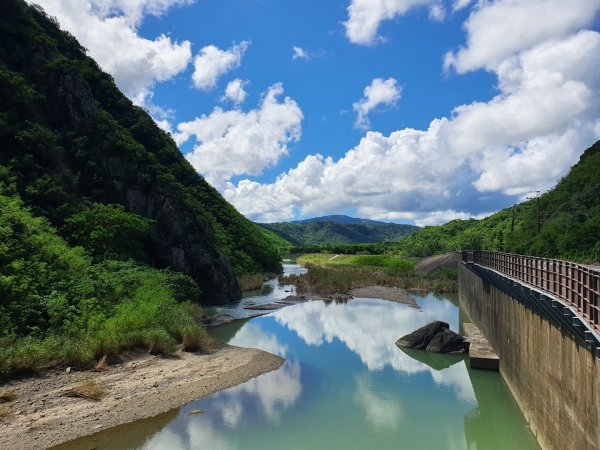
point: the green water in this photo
(345, 385)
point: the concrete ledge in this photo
(481, 353)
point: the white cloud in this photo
(379, 92)
(365, 16)
(108, 29)
(300, 53)
(212, 62)
(497, 30)
(460, 4)
(236, 142)
(235, 91)
(437, 12)
(546, 112)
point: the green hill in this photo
(566, 225)
(72, 141)
(338, 219)
(305, 234)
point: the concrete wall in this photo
(555, 381)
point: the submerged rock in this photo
(434, 337)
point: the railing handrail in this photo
(576, 284)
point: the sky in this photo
(410, 111)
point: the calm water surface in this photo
(345, 385)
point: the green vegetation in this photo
(568, 220)
(59, 307)
(282, 245)
(377, 248)
(83, 156)
(311, 234)
(338, 274)
(95, 201)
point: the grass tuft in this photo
(196, 339)
(7, 395)
(102, 364)
(250, 282)
(4, 411)
(159, 341)
(86, 388)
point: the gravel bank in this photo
(139, 387)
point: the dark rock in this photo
(420, 338)
(434, 337)
(446, 341)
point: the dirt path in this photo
(449, 260)
(143, 386)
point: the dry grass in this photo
(86, 388)
(195, 339)
(333, 279)
(7, 395)
(253, 281)
(102, 364)
(4, 411)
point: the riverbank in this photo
(331, 276)
(139, 387)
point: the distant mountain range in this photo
(337, 229)
(340, 219)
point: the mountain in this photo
(78, 153)
(347, 220)
(311, 233)
(562, 223)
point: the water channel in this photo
(344, 385)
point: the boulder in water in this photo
(434, 337)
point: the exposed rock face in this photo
(434, 337)
(184, 242)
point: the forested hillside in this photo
(71, 142)
(338, 219)
(566, 225)
(306, 234)
(108, 237)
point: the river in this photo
(344, 385)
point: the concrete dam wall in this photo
(554, 378)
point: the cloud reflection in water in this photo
(370, 328)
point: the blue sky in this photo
(416, 111)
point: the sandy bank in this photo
(393, 294)
(143, 386)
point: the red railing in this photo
(577, 285)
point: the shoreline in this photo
(140, 387)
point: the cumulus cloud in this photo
(212, 62)
(497, 30)
(108, 29)
(379, 92)
(365, 16)
(236, 142)
(546, 112)
(235, 91)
